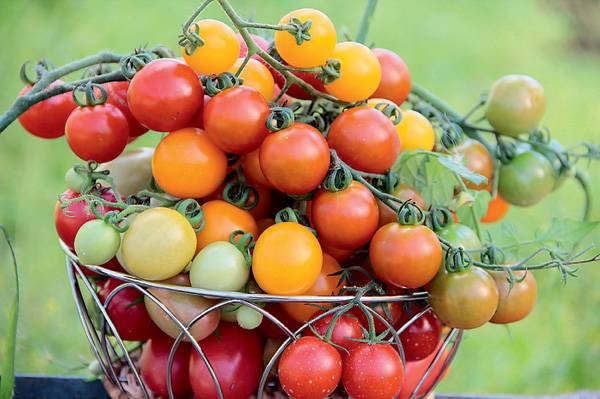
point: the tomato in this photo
(257, 76)
(219, 266)
(311, 53)
(131, 171)
(68, 221)
(235, 355)
(326, 284)
(415, 132)
(346, 219)
(477, 158)
(235, 119)
(365, 139)
(415, 371)
(165, 95)
(517, 302)
(295, 90)
(47, 118)
(287, 259)
(154, 367)
(526, 179)
(127, 312)
(336, 253)
(465, 300)
(515, 104)
(405, 256)
(259, 40)
(96, 242)
(185, 307)
(219, 51)
(392, 314)
(549, 150)
(186, 164)
(345, 331)
(220, 220)
(263, 206)
(404, 193)
(97, 133)
(295, 160)
(373, 372)
(309, 368)
(263, 224)
(159, 244)
(269, 329)
(248, 318)
(117, 96)
(421, 338)
(358, 64)
(252, 171)
(460, 235)
(497, 208)
(395, 77)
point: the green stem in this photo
(476, 222)
(195, 14)
(8, 364)
(366, 21)
(583, 182)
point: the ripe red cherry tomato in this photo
(295, 90)
(373, 372)
(403, 193)
(47, 118)
(99, 133)
(346, 329)
(165, 95)
(117, 96)
(295, 160)
(365, 139)
(415, 371)
(309, 368)
(421, 337)
(395, 77)
(236, 357)
(154, 367)
(252, 171)
(346, 219)
(235, 120)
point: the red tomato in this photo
(338, 254)
(346, 219)
(154, 363)
(252, 171)
(415, 371)
(235, 119)
(395, 77)
(365, 139)
(259, 40)
(235, 355)
(295, 90)
(165, 95)
(346, 329)
(97, 133)
(309, 368)
(422, 337)
(112, 264)
(295, 160)
(47, 118)
(394, 308)
(263, 207)
(373, 372)
(269, 329)
(117, 96)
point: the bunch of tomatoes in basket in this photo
(257, 191)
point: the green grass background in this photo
(456, 48)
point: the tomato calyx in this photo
(244, 242)
(83, 178)
(131, 64)
(94, 94)
(390, 110)
(299, 29)
(289, 214)
(280, 118)
(190, 39)
(193, 212)
(457, 260)
(215, 84)
(409, 213)
(41, 67)
(438, 218)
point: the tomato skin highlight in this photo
(395, 77)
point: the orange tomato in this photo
(256, 75)
(497, 209)
(220, 50)
(251, 168)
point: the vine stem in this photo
(365, 22)
(583, 182)
(8, 364)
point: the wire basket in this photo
(119, 361)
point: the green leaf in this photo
(7, 382)
(461, 170)
(472, 212)
(564, 233)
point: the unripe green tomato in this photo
(526, 179)
(131, 171)
(248, 318)
(219, 266)
(460, 235)
(74, 180)
(515, 105)
(561, 173)
(229, 312)
(96, 242)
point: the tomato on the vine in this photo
(220, 49)
(390, 311)
(404, 193)
(415, 132)
(526, 179)
(96, 242)
(515, 302)
(421, 338)
(460, 235)
(477, 158)
(415, 371)
(395, 77)
(497, 209)
(252, 170)
(295, 160)
(257, 76)
(117, 96)
(219, 266)
(296, 90)
(259, 40)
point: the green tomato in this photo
(526, 179)
(219, 266)
(131, 171)
(515, 105)
(229, 312)
(96, 242)
(561, 173)
(460, 235)
(248, 318)
(74, 180)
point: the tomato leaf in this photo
(471, 213)
(565, 234)
(461, 170)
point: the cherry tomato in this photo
(421, 338)
(295, 160)
(345, 331)
(263, 206)
(131, 171)
(47, 118)
(97, 133)
(415, 132)
(165, 95)
(220, 220)
(259, 40)
(235, 355)
(154, 367)
(497, 209)
(395, 77)
(326, 284)
(346, 219)
(404, 193)
(186, 164)
(460, 235)
(391, 312)
(269, 329)
(477, 158)
(416, 370)
(365, 139)
(287, 259)
(360, 72)
(117, 96)
(158, 245)
(526, 179)
(219, 266)
(96, 242)
(405, 256)
(336, 253)
(235, 119)
(219, 51)
(295, 90)
(252, 171)
(257, 76)
(515, 104)
(373, 372)
(309, 368)
(310, 53)
(515, 302)
(263, 224)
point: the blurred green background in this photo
(455, 48)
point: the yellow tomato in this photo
(287, 259)
(220, 50)
(415, 132)
(158, 245)
(360, 72)
(311, 53)
(257, 76)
